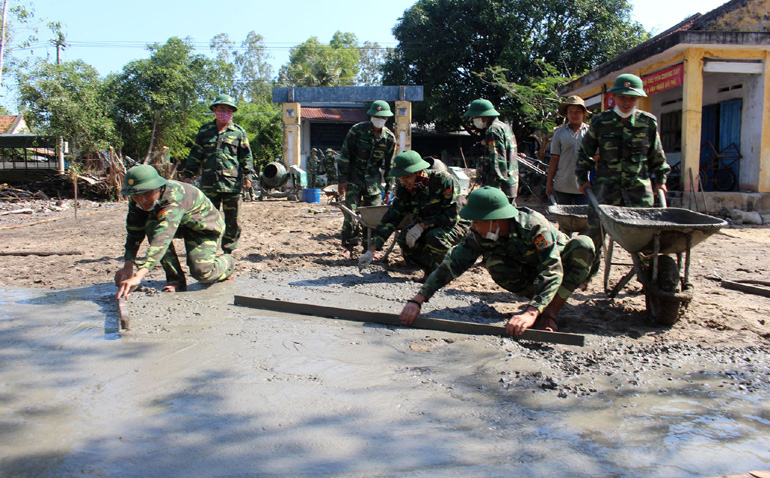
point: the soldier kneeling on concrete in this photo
(431, 199)
(523, 252)
(160, 210)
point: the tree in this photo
(154, 100)
(67, 100)
(539, 99)
(313, 63)
(370, 67)
(262, 119)
(16, 23)
(445, 44)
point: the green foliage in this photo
(370, 65)
(313, 63)
(67, 100)
(539, 99)
(247, 68)
(152, 99)
(19, 33)
(445, 44)
(263, 122)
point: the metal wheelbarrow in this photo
(368, 217)
(649, 235)
(571, 218)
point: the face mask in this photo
(378, 122)
(224, 117)
(479, 123)
(493, 236)
(624, 115)
(151, 207)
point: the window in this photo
(671, 131)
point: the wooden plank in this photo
(125, 318)
(419, 323)
(747, 286)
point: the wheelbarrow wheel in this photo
(664, 310)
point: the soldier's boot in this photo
(547, 319)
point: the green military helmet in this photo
(223, 100)
(329, 150)
(628, 84)
(407, 162)
(140, 179)
(488, 204)
(481, 108)
(380, 108)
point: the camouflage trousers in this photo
(611, 194)
(202, 260)
(357, 196)
(231, 210)
(430, 249)
(576, 258)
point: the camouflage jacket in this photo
(312, 164)
(364, 156)
(499, 167)
(225, 158)
(330, 165)
(533, 242)
(181, 207)
(629, 152)
(434, 204)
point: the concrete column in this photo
(692, 107)
(403, 125)
(291, 134)
(763, 182)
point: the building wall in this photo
(718, 87)
(752, 16)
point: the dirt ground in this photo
(50, 248)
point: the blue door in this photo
(708, 141)
(730, 136)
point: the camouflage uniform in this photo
(330, 164)
(535, 261)
(312, 163)
(499, 167)
(363, 160)
(182, 211)
(433, 202)
(629, 152)
(226, 161)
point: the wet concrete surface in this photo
(201, 387)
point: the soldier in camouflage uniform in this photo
(431, 199)
(312, 164)
(499, 166)
(367, 152)
(523, 252)
(330, 165)
(161, 210)
(222, 151)
(629, 149)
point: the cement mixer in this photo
(276, 181)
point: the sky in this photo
(108, 34)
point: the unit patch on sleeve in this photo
(541, 242)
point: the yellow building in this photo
(708, 82)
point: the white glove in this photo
(366, 259)
(413, 234)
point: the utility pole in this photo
(2, 40)
(60, 44)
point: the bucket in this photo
(311, 195)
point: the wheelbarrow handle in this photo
(592, 198)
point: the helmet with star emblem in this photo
(140, 179)
(628, 84)
(380, 108)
